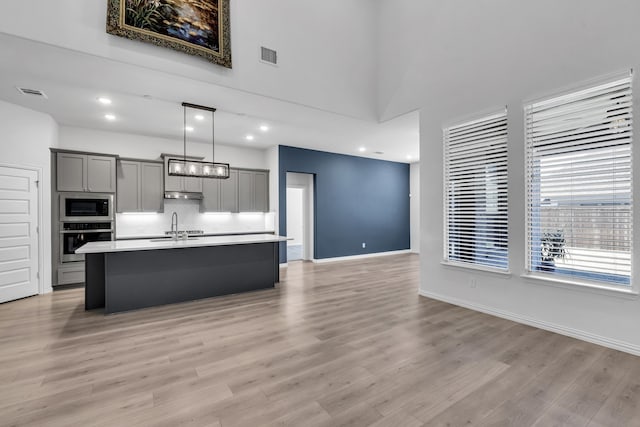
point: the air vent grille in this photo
(269, 55)
(32, 92)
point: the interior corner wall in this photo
(26, 138)
(415, 206)
(453, 65)
(357, 200)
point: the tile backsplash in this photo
(190, 218)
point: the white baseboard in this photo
(284, 264)
(356, 257)
(563, 330)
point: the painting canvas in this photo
(196, 27)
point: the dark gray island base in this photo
(129, 280)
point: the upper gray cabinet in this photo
(86, 172)
(253, 191)
(220, 195)
(140, 186)
(152, 192)
(179, 183)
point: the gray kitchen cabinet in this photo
(220, 195)
(71, 175)
(253, 191)
(140, 186)
(101, 174)
(128, 194)
(229, 192)
(179, 183)
(83, 172)
(152, 192)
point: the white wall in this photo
(295, 208)
(25, 141)
(326, 50)
(146, 147)
(454, 58)
(414, 206)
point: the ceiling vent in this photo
(269, 55)
(32, 92)
(378, 152)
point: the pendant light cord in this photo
(184, 134)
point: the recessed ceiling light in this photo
(409, 157)
(249, 137)
(104, 101)
(264, 128)
(188, 128)
(362, 149)
(110, 117)
(199, 117)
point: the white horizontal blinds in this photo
(476, 217)
(579, 183)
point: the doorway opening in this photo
(300, 211)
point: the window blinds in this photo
(579, 200)
(475, 169)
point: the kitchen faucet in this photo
(174, 231)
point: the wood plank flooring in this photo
(340, 344)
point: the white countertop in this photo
(150, 244)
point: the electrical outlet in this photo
(364, 245)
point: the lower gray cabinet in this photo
(220, 195)
(140, 186)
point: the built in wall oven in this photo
(75, 234)
(86, 207)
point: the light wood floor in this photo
(341, 344)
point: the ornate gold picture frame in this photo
(195, 27)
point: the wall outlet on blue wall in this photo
(364, 245)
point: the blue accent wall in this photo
(356, 200)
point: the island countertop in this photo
(155, 244)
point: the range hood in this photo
(182, 195)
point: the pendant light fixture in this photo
(196, 168)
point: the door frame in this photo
(308, 215)
(38, 171)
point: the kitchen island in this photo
(127, 275)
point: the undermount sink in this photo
(168, 239)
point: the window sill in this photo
(580, 285)
(475, 267)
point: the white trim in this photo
(562, 330)
(476, 267)
(284, 264)
(363, 256)
(582, 285)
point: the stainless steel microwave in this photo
(86, 207)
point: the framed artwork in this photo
(195, 27)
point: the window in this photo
(579, 199)
(476, 216)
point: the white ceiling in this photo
(148, 102)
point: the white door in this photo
(18, 233)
